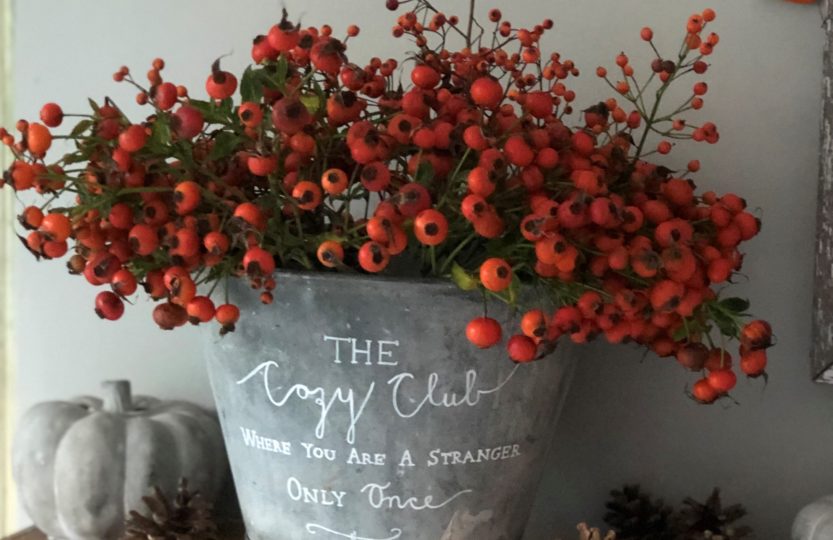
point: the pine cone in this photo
(633, 515)
(709, 520)
(188, 518)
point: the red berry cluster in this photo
(471, 171)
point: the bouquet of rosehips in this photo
(472, 171)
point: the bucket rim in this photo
(438, 284)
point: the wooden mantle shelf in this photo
(27, 534)
(230, 530)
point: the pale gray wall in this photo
(625, 420)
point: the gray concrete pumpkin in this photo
(815, 521)
(81, 465)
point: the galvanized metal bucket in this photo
(354, 407)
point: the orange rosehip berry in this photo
(53, 250)
(143, 239)
(521, 348)
(753, 363)
(23, 176)
(302, 143)
(38, 138)
(216, 243)
(330, 253)
(251, 214)
(307, 194)
(481, 181)
(425, 76)
(187, 197)
(373, 257)
(719, 359)
(258, 262)
(723, 381)
(227, 315)
(695, 24)
(486, 92)
(534, 324)
(495, 274)
(262, 165)
(703, 392)
(220, 84)
(200, 310)
(124, 282)
(109, 306)
(431, 227)
(55, 227)
(334, 181)
(31, 217)
(51, 114)
(250, 114)
(484, 332)
(133, 138)
(756, 335)
(169, 316)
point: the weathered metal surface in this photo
(355, 408)
(822, 354)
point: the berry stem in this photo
(470, 23)
(457, 250)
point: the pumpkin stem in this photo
(117, 396)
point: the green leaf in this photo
(425, 173)
(463, 279)
(160, 135)
(735, 305)
(80, 128)
(281, 69)
(311, 102)
(93, 105)
(727, 328)
(203, 106)
(73, 158)
(679, 334)
(183, 151)
(224, 145)
(251, 88)
(226, 107)
(210, 112)
(513, 290)
(724, 322)
(82, 154)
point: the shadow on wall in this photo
(636, 424)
